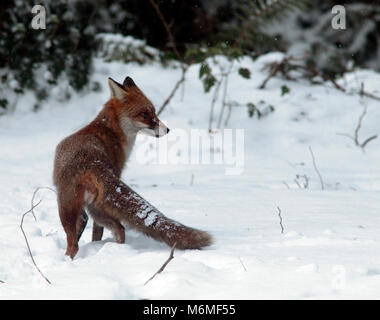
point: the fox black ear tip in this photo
(128, 82)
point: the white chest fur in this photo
(130, 135)
(131, 138)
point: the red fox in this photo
(87, 170)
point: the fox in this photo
(87, 169)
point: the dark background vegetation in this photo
(198, 29)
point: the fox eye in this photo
(145, 115)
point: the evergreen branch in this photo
(265, 11)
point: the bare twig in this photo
(355, 138)
(305, 178)
(167, 28)
(279, 214)
(229, 104)
(316, 169)
(358, 127)
(241, 261)
(297, 183)
(171, 256)
(364, 143)
(26, 240)
(326, 77)
(309, 72)
(370, 95)
(172, 93)
(224, 100)
(367, 94)
(34, 195)
(275, 68)
(286, 185)
(214, 98)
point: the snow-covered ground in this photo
(330, 245)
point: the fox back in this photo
(87, 170)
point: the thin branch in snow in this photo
(365, 142)
(26, 239)
(213, 101)
(273, 71)
(305, 178)
(286, 185)
(172, 93)
(192, 179)
(358, 127)
(297, 183)
(245, 269)
(34, 195)
(316, 169)
(171, 256)
(224, 99)
(355, 138)
(279, 214)
(367, 94)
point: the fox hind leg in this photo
(81, 224)
(97, 232)
(102, 219)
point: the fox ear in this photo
(128, 82)
(117, 90)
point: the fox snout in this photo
(158, 130)
(161, 130)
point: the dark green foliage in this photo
(206, 76)
(204, 69)
(3, 103)
(245, 73)
(251, 16)
(284, 90)
(35, 59)
(334, 52)
(262, 110)
(113, 48)
(202, 30)
(260, 12)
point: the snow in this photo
(330, 246)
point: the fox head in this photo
(135, 111)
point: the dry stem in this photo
(26, 239)
(171, 256)
(316, 169)
(279, 214)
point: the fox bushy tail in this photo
(120, 202)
